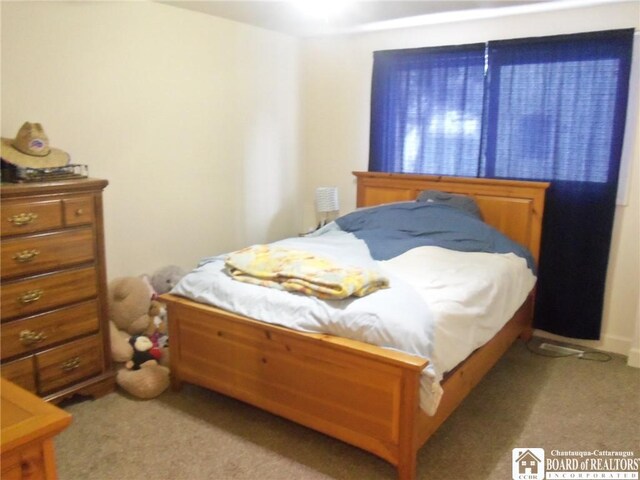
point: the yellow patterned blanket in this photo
(300, 271)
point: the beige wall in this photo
(194, 120)
(336, 91)
(191, 118)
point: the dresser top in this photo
(9, 190)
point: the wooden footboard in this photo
(364, 395)
(356, 392)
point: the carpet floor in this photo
(526, 401)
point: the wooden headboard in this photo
(513, 207)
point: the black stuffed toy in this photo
(141, 351)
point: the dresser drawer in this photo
(40, 253)
(34, 333)
(78, 210)
(69, 363)
(21, 372)
(36, 294)
(28, 217)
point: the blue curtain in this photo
(426, 110)
(552, 109)
(556, 112)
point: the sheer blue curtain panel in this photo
(426, 111)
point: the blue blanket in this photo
(392, 229)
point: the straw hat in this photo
(31, 149)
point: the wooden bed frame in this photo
(359, 393)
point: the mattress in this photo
(441, 304)
(470, 296)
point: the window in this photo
(553, 108)
(548, 108)
(427, 110)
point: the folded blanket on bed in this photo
(300, 271)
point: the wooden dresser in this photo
(55, 335)
(28, 427)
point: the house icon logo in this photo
(528, 463)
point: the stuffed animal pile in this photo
(139, 333)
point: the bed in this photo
(357, 392)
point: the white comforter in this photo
(441, 304)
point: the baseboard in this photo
(608, 343)
(634, 358)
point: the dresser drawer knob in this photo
(30, 296)
(26, 256)
(29, 337)
(71, 364)
(79, 212)
(22, 218)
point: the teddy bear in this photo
(165, 278)
(133, 312)
(146, 383)
(142, 376)
(131, 307)
(134, 317)
(121, 349)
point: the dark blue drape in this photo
(556, 112)
(553, 109)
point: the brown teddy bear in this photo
(132, 311)
(131, 307)
(147, 382)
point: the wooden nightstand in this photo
(28, 427)
(55, 335)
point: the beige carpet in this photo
(525, 401)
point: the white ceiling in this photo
(286, 17)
